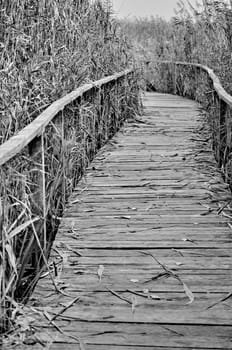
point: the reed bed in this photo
(200, 32)
(48, 49)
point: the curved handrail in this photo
(216, 82)
(16, 143)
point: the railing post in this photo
(34, 149)
(36, 152)
(3, 320)
(227, 161)
(174, 78)
(222, 124)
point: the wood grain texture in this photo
(143, 234)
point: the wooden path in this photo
(142, 254)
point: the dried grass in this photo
(47, 49)
(201, 33)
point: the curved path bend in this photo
(143, 253)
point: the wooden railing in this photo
(200, 83)
(40, 166)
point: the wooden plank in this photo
(223, 249)
(114, 347)
(124, 334)
(215, 236)
(173, 307)
(149, 219)
(187, 262)
(206, 281)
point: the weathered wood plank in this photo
(187, 262)
(171, 307)
(124, 334)
(142, 278)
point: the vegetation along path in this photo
(143, 255)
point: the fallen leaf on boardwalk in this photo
(100, 271)
(146, 184)
(47, 315)
(134, 280)
(125, 217)
(179, 263)
(31, 341)
(65, 307)
(70, 249)
(119, 296)
(24, 322)
(76, 201)
(188, 293)
(171, 273)
(178, 251)
(187, 240)
(221, 208)
(64, 285)
(149, 208)
(226, 215)
(146, 291)
(133, 303)
(207, 212)
(65, 257)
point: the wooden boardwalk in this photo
(142, 254)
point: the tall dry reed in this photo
(50, 47)
(200, 33)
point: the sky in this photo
(144, 8)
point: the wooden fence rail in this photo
(40, 166)
(200, 83)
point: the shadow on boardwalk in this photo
(142, 254)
